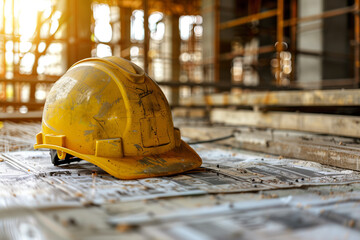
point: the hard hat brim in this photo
(178, 160)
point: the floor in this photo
(236, 194)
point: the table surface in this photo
(236, 194)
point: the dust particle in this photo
(123, 227)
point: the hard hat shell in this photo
(109, 112)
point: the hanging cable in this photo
(213, 140)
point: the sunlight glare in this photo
(103, 50)
(137, 25)
(9, 46)
(156, 26)
(28, 13)
(102, 29)
(26, 63)
(41, 47)
(9, 58)
(25, 46)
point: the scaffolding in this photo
(184, 78)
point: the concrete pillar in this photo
(336, 44)
(309, 67)
(226, 37)
(171, 50)
(209, 19)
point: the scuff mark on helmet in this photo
(148, 161)
(87, 132)
(138, 147)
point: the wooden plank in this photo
(317, 123)
(329, 150)
(349, 97)
(33, 115)
(327, 14)
(325, 155)
(189, 113)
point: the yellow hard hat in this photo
(109, 112)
